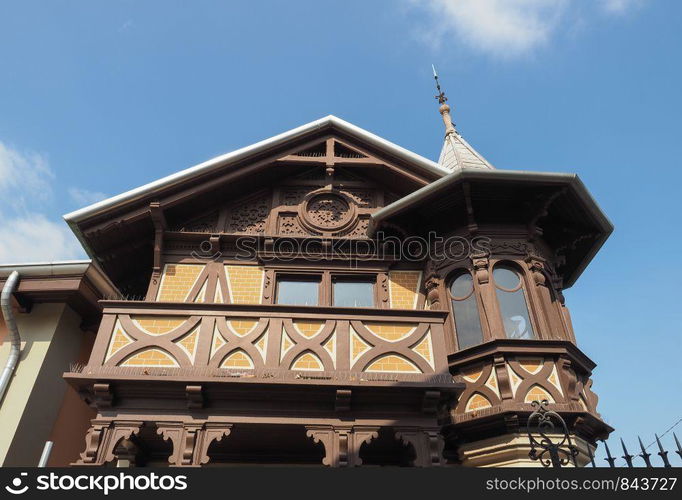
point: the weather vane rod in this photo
(441, 95)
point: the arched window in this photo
(465, 311)
(512, 301)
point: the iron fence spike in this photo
(645, 456)
(679, 448)
(626, 455)
(609, 459)
(663, 454)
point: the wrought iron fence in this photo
(550, 443)
(642, 459)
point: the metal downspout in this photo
(8, 314)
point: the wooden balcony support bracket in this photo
(430, 402)
(428, 445)
(195, 396)
(191, 441)
(103, 395)
(342, 402)
(160, 226)
(342, 443)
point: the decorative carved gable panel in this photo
(315, 203)
(204, 224)
(248, 215)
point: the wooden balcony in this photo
(273, 344)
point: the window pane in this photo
(298, 292)
(506, 278)
(515, 317)
(467, 322)
(462, 286)
(353, 293)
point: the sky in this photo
(97, 98)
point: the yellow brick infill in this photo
(177, 281)
(404, 288)
(245, 283)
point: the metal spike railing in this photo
(631, 460)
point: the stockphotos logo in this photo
(99, 483)
(18, 487)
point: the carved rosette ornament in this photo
(327, 212)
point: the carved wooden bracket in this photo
(93, 440)
(427, 444)
(481, 264)
(212, 432)
(160, 225)
(195, 396)
(191, 441)
(342, 401)
(120, 439)
(342, 444)
(103, 396)
(430, 402)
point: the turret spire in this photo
(456, 152)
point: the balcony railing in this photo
(277, 343)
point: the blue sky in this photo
(97, 98)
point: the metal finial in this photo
(644, 454)
(441, 95)
(662, 453)
(679, 448)
(609, 458)
(626, 456)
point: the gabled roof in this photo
(458, 153)
(222, 161)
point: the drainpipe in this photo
(8, 314)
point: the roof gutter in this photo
(65, 268)
(13, 330)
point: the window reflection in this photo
(465, 311)
(298, 292)
(353, 293)
(512, 302)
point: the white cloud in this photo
(24, 176)
(27, 234)
(85, 197)
(32, 237)
(621, 6)
(505, 28)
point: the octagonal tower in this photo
(503, 245)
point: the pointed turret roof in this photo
(456, 153)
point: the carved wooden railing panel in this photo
(216, 340)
